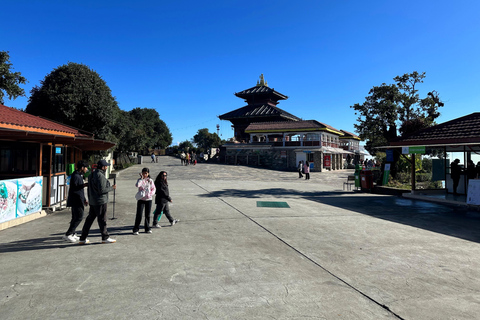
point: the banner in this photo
(386, 174)
(20, 197)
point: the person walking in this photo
(300, 168)
(162, 199)
(455, 172)
(76, 200)
(153, 157)
(98, 189)
(187, 159)
(146, 190)
(306, 169)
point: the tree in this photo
(9, 81)
(185, 145)
(75, 95)
(204, 139)
(396, 109)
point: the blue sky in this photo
(186, 59)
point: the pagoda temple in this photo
(261, 106)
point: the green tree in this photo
(9, 80)
(391, 110)
(185, 145)
(204, 139)
(76, 95)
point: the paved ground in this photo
(333, 254)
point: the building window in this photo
(58, 157)
(18, 158)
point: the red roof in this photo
(14, 119)
(16, 125)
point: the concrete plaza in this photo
(332, 254)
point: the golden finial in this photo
(262, 82)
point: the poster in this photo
(8, 200)
(29, 196)
(20, 197)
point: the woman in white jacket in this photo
(146, 190)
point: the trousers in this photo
(100, 213)
(77, 216)
(141, 205)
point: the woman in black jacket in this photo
(162, 199)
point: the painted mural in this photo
(20, 197)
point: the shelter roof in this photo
(290, 126)
(260, 110)
(463, 130)
(16, 125)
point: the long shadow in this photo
(55, 241)
(456, 221)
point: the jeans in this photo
(142, 204)
(99, 212)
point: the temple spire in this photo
(262, 82)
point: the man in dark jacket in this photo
(455, 173)
(98, 189)
(76, 200)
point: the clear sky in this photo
(186, 59)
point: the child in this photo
(146, 190)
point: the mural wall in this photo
(20, 197)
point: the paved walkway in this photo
(333, 254)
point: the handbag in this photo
(140, 195)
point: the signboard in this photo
(386, 174)
(389, 153)
(473, 194)
(327, 161)
(283, 153)
(413, 150)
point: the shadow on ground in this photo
(455, 221)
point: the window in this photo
(58, 159)
(18, 158)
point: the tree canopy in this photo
(396, 109)
(76, 95)
(204, 139)
(9, 80)
(141, 129)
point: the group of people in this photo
(304, 169)
(471, 172)
(189, 158)
(98, 188)
(147, 189)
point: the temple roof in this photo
(256, 111)
(463, 130)
(262, 92)
(290, 126)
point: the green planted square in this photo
(272, 204)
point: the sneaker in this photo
(86, 241)
(157, 226)
(76, 237)
(135, 233)
(69, 238)
(109, 240)
(149, 231)
(174, 221)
